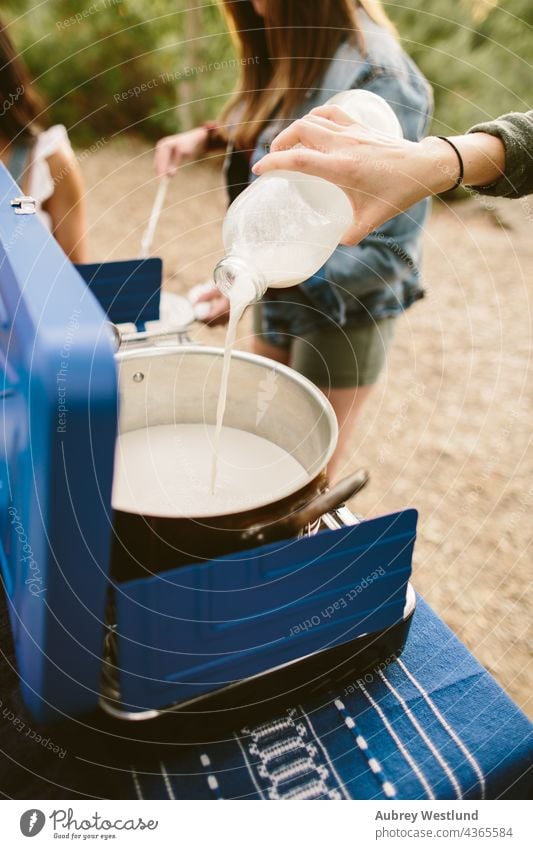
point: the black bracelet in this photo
(461, 163)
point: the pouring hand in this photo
(172, 151)
(218, 307)
(380, 174)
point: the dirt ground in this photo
(448, 428)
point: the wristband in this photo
(459, 180)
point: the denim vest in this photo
(380, 276)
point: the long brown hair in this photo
(20, 106)
(285, 53)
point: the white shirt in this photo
(41, 184)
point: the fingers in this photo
(354, 235)
(217, 320)
(367, 218)
(326, 123)
(335, 114)
(166, 158)
(303, 160)
(305, 131)
(219, 313)
(214, 307)
(210, 295)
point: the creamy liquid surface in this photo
(166, 471)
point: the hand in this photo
(381, 175)
(219, 307)
(172, 151)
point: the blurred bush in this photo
(110, 66)
(476, 53)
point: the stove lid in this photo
(58, 394)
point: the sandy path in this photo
(448, 429)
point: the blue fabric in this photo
(380, 277)
(353, 744)
(433, 723)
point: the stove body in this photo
(247, 627)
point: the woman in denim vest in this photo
(336, 327)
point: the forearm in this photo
(483, 158)
(384, 176)
(515, 132)
(66, 207)
(70, 232)
(497, 156)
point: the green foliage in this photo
(476, 53)
(109, 66)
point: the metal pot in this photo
(171, 385)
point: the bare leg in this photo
(273, 352)
(347, 404)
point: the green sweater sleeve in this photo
(516, 132)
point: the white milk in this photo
(282, 229)
(277, 233)
(166, 471)
(241, 295)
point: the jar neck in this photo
(231, 268)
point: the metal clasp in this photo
(24, 205)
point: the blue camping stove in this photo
(236, 630)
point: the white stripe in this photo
(412, 763)
(249, 768)
(327, 757)
(455, 737)
(213, 783)
(431, 746)
(136, 783)
(205, 760)
(373, 763)
(348, 721)
(166, 779)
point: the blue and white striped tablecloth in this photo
(431, 725)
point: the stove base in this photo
(209, 717)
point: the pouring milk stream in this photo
(281, 230)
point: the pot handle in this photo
(323, 503)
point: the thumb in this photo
(359, 230)
(210, 295)
(353, 236)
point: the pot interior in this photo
(179, 385)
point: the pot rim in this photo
(286, 371)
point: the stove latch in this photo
(24, 205)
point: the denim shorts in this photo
(333, 357)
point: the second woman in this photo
(335, 328)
